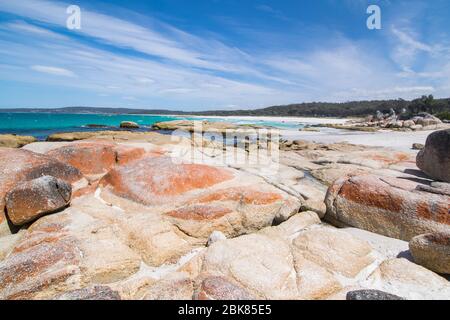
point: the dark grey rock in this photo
(434, 159)
(371, 295)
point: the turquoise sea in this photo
(41, 125)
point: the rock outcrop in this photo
(199, 199)
(202, 125)
(95, 157)
(153, 223)
(129, 125)
(15, 141)
(388, 206)
(434, 159)
(423, 121)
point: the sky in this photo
(220, 54)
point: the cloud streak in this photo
(53, 71)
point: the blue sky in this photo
(220, 54)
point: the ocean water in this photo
(41, 125)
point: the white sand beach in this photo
(391, 139)
(384, 138)
(300, 120)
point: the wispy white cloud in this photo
(270, 10)
(53, 71)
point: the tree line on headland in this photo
(438, 107)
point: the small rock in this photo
(215, 237)
(35, 198)
(408, 123)
(129, 125)
(417, 146)
(371, 295)
(432, 251)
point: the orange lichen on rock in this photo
(88, 157)
(199, 213)
(439, 212)
(153, 180)
(365, 194)
(388, 206)
(245, 195)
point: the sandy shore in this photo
(393, 139)
(397, 140)
(299, 120)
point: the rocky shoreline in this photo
(124, 220)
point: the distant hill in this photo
(315, 109)
(87, 110)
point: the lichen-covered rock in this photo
(388, 206)
(17, 165)
(220, 288)
(32, 199)
(197, 198)
(432, 251)
(15, 141)
(32, 269)
(96, 157)
(92, 293)
(176, 286)
(434, 159)
(67, 251)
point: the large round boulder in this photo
(18, 165)
(388, 206)
(35, 198)
(434, 159)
